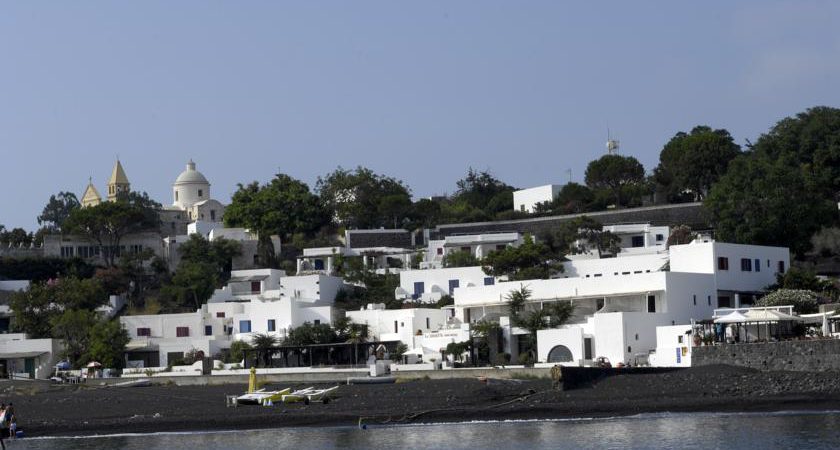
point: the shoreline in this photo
(77, 411)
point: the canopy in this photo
(20, 355)
(93, 364)
(733, 317)
(247, 278)
(770, 316)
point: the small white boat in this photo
(308, 395)
(262, 397)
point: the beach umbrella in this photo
(93, 364)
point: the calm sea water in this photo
(659, 431)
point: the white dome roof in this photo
(191, 176)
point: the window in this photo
(220, 315)
(522, 208)
(317, 321)
(428, 324)
(637, 241)
(597, 275)
(213, 215)
(629, 349)
(256, 287)
(244, 326)
(587, 348)
(746, 265)
(402, 324)
(709, 300)
(695, 299)
(723, 263)
(465, 249)
(724, 302)
(144, 332)
(208, 330)
(781, 267)
(452, 285)
(419, 288)
(489, 281)
(757, 265)
(660, 238)
(501, 247)
(271, 325)
(200, 193)
(637, 336)
(440, 250)
(396, 327)
(182, 331)
(680, 339)
(651, 303)
(176, 196)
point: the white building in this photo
(673, 347)
(381, 259)
(525, 200)
(478, 245)
(28, 358)
(618, 308)
(429, 285)
(424, 331)
(254, 301)
(191, 201)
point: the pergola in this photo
(763, 324)
(333, 354)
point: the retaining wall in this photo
(808, 356)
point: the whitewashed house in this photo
(380, 259)
(619, 302)
(254, 301)
(478, 245)
(21, 357)
(524, 200)
(429, 285)
(425, 331)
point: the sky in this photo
(420, 91)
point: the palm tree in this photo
(263, 343)
(516, 301)
(357, 333)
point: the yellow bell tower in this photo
(118, 183)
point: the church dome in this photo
(191, 176)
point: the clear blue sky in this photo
(419, 91)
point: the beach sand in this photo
(85, 410)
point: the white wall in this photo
(381, 322)
(526, 199)
(608, 267)
(571, 337)
(436, 281)
(670, 352)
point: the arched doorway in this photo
(560, 353)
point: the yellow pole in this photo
(252, 380)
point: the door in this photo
(29, 366)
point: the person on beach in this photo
(3, 428)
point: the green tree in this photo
(284, 206)
(693, 162)
(192, 284)
(530, 260)
(57, 210)
(236, 354)
(363, 198)
(460, 259)
(263, 343)
(106, 343)
(73, 327)
(802, 279)
(811, 141)
(309, 333)
(108, 223)
(680, 235)
(573, 198)
(16, 237)
(803, 301)
(219, 252)
(485, 192)
(767, 202)
(617, 174)
(35, 308)
(517, 300)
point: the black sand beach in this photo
(85, 410)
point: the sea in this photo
(813, 430)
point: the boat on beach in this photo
(262, 397)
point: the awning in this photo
(247, 278)
(139, 344)
(20, 355)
